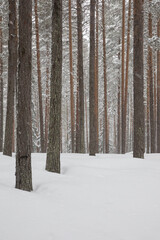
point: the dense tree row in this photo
(83, 77)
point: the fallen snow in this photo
(107, 197)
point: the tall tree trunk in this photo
(119, 110)
(47, 97)
(71, 77)
(12, 75)
(122, 80)
(138, 150)
(80, 143)
(23, 157)
(86, 114)
(1, 88)
(105, 83)
(150, 75)
(53, 151)
(158, 92)
(126, 79)
(92, 127)
(96, 76)
(39, 79)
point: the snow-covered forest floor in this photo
(107, 197)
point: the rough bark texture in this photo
(119, 110)
(23, 156)
(53, 151)
(12, 75)
(158, 92)
(39, 79)
(106, 124)
(1, 89)
(138, 150)
(122, 80)
(126, 80)
(150, 76)
(80, 146)
(71, 78)
(96, 76)
(92, 128)
(47, 97)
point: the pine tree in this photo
(92, 127)
(1, 88)
(24, 136)
(138, 150)
(12, 77)
(53, 151)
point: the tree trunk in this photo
(105, 83)
(122, 83)
(158, 92)
(39, 79)
(23, 157)
(1, 89)
(150, 75)
(92, 127)
(53, 151)
(47, 97)
(71, 78)
(80, 143)
(119, 111)
(138, 150)
(12, 75)
(96, 77)
(126, 80)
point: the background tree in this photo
(1, 88)
(92, 127)
(12, 78)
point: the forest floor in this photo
(107, 197)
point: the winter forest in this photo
(79, 119)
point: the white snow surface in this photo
(107, 197)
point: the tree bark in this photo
(39, 79)
(12, 75)
(126, 80)
(150, 76)
(105, 84)
(92, 127)
(158, 92)
(96, 75)
(80, 143)
(71, 78)
(53, 151)
(122, 80)
(1, 88)
(23, 156)
(138, 150)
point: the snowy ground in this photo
(107, 197)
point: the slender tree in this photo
(12, 75)
(71, 76)
(122, 77)
(96, 75)
(150, 76)
(158, 91)
(105, 82)
(23, 156)
(39, 78)
(126, 79)
(92, 128)
(1, 88)
(80, 146)
(53, 151)
(138, 150)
